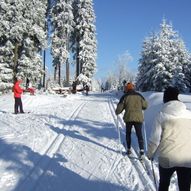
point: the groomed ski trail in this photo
(100, 159)
(81, 149)
(43, 162)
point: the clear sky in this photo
(122, 25)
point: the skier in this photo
(171, 139)
(74, 84)
(102, 88)
(133, 103)
(17, 95)
(86, 88)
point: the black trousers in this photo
(183, 174)
(18, 105)
(138, 129)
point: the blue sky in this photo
(122, 25)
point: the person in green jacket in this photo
(133, 103)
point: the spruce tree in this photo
(22, 37)
(146, 62)
(187, 72)
(164, 58)
(62, 22)
(85, 36)
(6, 71)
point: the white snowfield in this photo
(71, 144)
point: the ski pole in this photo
(145, 136)
(119, 134)
(153, 171)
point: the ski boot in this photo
(141, 154)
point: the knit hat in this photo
(129, 86)
(171, 93)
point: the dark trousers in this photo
(18, 105)
(138, 129)
(183, 174)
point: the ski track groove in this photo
(116, 160)
(135, 164)
(83, 152)
(44, 161)
(112, 167)
(103, 154)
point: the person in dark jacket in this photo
(133, 103)
(86, 88)
(74, 84)
(17, 95)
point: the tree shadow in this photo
(26, 167)
(95, 129)
(76, 135)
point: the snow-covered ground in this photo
(71, 144)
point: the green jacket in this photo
(133, 103)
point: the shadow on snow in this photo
(21, 160)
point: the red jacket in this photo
(17, 89)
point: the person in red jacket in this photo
(17, 95)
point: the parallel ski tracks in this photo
(42, 164)
(136, 164)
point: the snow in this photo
(71, 144)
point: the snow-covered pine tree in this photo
(22, 35)
(146, 62)
(47, 28)
(62, 22)
(10, 35)
(187, 72)
(85, 36)
(182, 63)
(30, 62)
(6, 57)
(165, 65)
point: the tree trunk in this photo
(15, 60)
(59, 73)
(67, 72)
(77, 62)
(44, 68)
(81, 65)
(67, 62)
(55, 72)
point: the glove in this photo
(151, 151)
(150, 155)
(150, 158)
